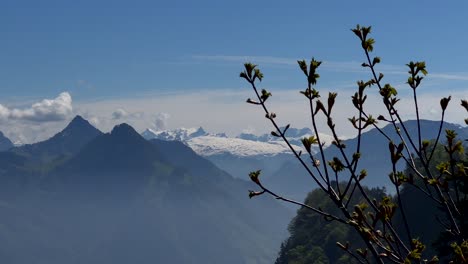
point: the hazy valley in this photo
(84, 196)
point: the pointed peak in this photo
(198, 132)
(78, 126)
(79, 122)
(78, 118)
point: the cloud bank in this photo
(216, 111)
(47, 110)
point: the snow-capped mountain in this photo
(180, 134)
(207, 144)
(236, 155)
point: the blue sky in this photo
(108, 52)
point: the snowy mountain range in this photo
(244, 145)
(242, 154)
(180, 134)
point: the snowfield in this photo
(212, 145)
(244, 145)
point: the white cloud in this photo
(119, 114)
(4, 112)
(123, 115)
(47, 110)
(160, 123)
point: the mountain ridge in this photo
(63, 144)
(293, 180)
(121, 198)
(5, 143)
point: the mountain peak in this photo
(78, 127)
(124, 129)
(199, 132)
(180, 134)
(123, 149)
(78, 122)
(78, 119)
(70, 140)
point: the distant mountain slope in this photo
(22, 167)
(65, 143)
(179, 154)
(375, 156)
(293, 180)
(122, 199)
(117, 161)
(5, 143)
